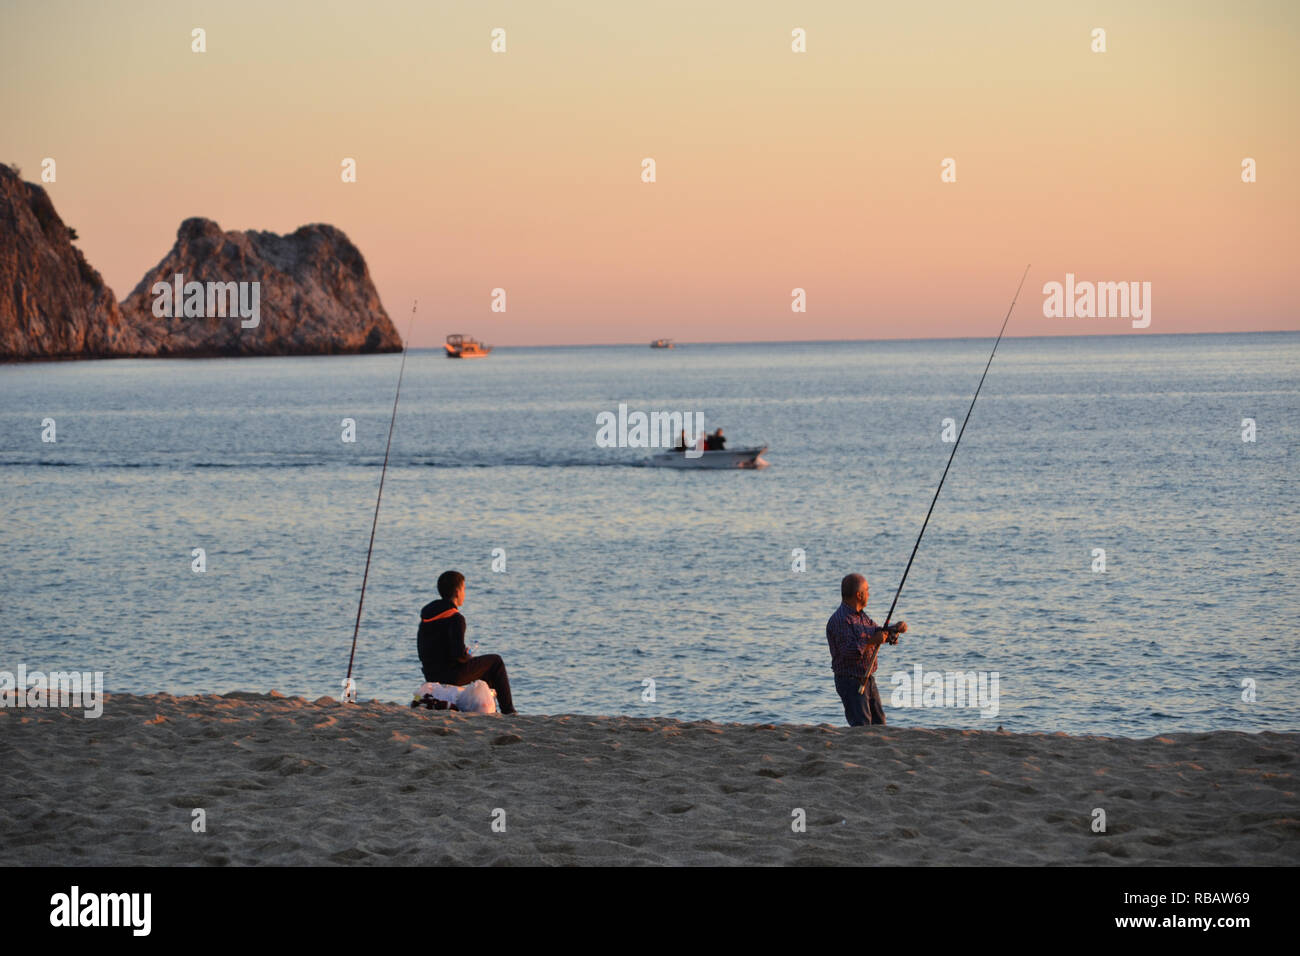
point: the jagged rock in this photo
(52, 303)
(316, 296)
(315, 293)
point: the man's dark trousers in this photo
(488, 668)
(860, 709)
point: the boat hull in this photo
(751, 458)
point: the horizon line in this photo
(919, 338)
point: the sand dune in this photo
(289, 781)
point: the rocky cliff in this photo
(52, 303)
(314, 295)
(241, 293)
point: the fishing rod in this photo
(889, 616)
(349, 692)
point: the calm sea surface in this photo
(616, 574)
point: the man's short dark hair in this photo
(849, 586)
(449, 583)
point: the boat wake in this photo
(182, 463)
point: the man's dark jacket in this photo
(442, 642)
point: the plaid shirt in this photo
(854, 639)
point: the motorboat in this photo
(726, 458)
(458, 346)
(662, 344)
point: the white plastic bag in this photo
(477, 698)
(474, 698)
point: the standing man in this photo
(441, 643)
(855, 640)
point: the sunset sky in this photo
(775, 170)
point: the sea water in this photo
(1117, 542)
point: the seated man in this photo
(716, 442)
(441, 643)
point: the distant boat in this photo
(460, 347)
(727, 458)
(662, 344)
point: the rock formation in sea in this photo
(313, 292)
(314, 295)
(52, 303)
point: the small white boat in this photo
(727, 458)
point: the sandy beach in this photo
(290, 781)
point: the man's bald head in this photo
(850, 586)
